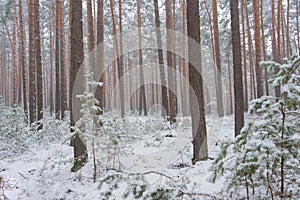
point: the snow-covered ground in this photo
(150, 151)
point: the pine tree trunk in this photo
(23, 59)
(32, 88)
(62, 60)
(80, 149)
(164, 94)
(250, 48)
(171, 81)
(264, 48)
(200, 151)
(219, 91)
(258, 73)
(229, 84)
(90, 25)
(121, 66)
(237, 69)
(39, 71)
(184, 75)
(174, 55)
(244, 58)
(288, 43)
(278, 55)
(100, 91)
(14, 57)
(51, 59)
(142, 96)
(57, 63)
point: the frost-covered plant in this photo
(85, 127)
(263, 161)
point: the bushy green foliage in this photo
(263, 161)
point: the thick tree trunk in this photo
(200, 151)
(164, 93)
(80, 149)
(237, 69)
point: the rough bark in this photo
(200, 151)
(237, 69)
(80, 149)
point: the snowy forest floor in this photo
(151, 155)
